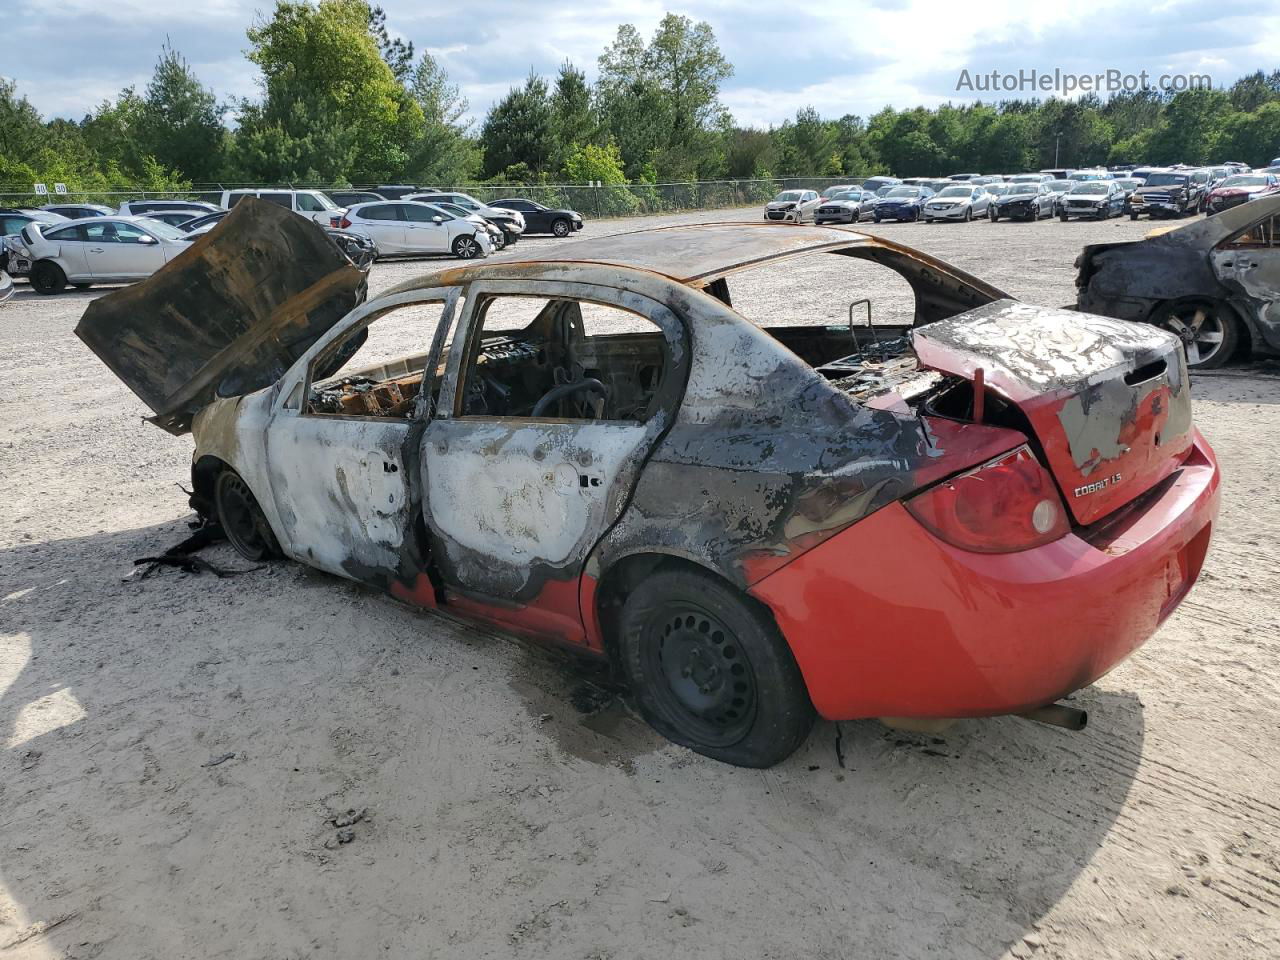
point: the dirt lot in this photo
(175, 749)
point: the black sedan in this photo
(540, 219)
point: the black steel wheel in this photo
(1209, 331)
(710, 670)
(48, 278)
(242, 519)
(560, 228)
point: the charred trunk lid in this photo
(1108, 401)
(227, 317)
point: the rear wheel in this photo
(242, 519)
(560, 227)
(710, 670)
(1062, 217)
(1209, 331)
(82, 286)
(48, 278)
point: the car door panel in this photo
(514, 505)
(73, 254)
(343, 490)
(1251, 266)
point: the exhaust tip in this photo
(1058, 715)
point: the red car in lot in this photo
(973, 512)
(1240, 188)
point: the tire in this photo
(1209, 331)
(1062, 217)
(242, 519)
(1133, 216)
(679, 629)
(82, 286)
(466, 248)
(995, 218)
(47, 278)
(968, 214)
(561, 227)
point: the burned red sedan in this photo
(974, 511)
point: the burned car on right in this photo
(1214, 283)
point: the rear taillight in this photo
(1006, 504)
(342, 223)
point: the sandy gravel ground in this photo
(175, 751)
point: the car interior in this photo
(533, 357)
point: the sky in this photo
(842, 57)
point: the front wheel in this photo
(467, 248)
(709, 669)
(48, 278)
(1208, 329)
(242, 519)
(1062, 217)
(1133, 216)
(560, 228)
(995, 218)
(968, 214)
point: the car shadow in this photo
(176, 750)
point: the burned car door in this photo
(1249, 262)
(548, 415)
(336, 441)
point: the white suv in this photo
(311, 204)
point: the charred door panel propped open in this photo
(753, 522)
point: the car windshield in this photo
(1167, 180)
(1023, 190)
(787, 196)
(1244, 181)
(164, 231)
(956, 191)
(1091, 188)
(999, 189)
(846, 195)
(452, 208)
(1059, 185)
(1026, 178)
(323, 200)
(904, 192)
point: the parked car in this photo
(312, 204)
(198, 226)
(723, 533)
(141, 208)
(510, 222)
(1240, 188)
(360, 250)
(496, 235)
(1096, 199)
(79, 211)
(556, 221)
(1023, 201)
(1167, 193)
(6, 287)
(793, 206)
(901, 203)
(825, 193)
(964, 176)
(175, 218)
(84, 252)
(1214, 282)
(408, 228)
(1128, 184)
(960, 201)
(346, 198)
(400, 190)
(1058, 189)
(1097, 173)
(13, 219)
(847, 206)
(1058, 173)
(877, 184)
(1031, 178)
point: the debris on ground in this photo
(214, 761)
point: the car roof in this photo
(692, 254)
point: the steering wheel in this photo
(559, 392)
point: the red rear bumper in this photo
(884, 619)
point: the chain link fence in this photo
(607, 200)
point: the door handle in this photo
(95, 249)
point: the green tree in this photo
(1253, 137)
(113, 133)
(572, 120)
(1258, 88)
(181, 122)
(1189, 124)
(396, 53)
(661, 101)
(519, 130)
(444, 154)
(320, 66)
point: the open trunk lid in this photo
(1108, 401)
(227, 317)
